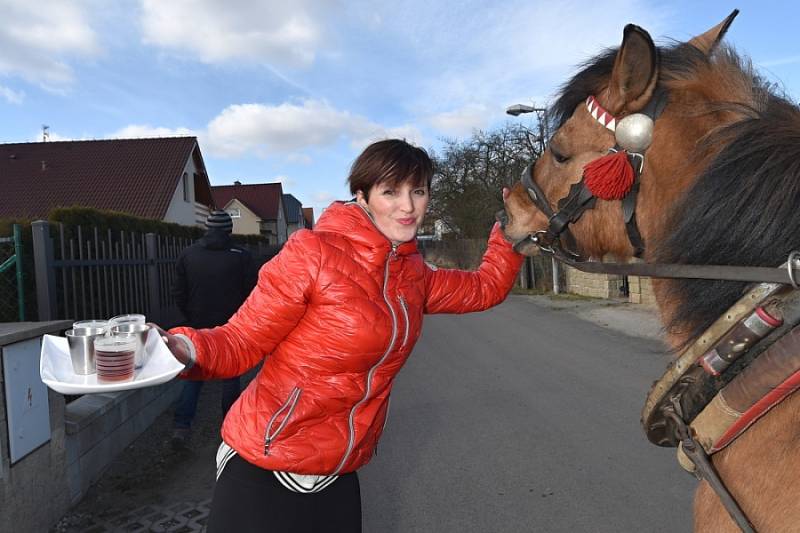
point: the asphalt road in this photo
(524, 418)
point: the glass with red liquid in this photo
(114, 358)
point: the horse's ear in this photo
(709, 40)
(635, 72)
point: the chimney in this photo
(237, 182)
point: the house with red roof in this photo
(255, 209)
(159, 178)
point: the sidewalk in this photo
(636, 320)
(151, 487)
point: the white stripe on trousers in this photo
(302, 483)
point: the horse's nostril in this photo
(502, 218)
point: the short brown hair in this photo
(393, 161)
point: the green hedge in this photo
(104, 220)
(118, 221)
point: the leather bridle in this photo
(579, 199)
(557, 239)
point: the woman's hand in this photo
(176, 345)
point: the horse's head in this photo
(615, 85)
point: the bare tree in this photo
(470, 174)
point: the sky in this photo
(292, 91)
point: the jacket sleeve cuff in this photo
(190, 348)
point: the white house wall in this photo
(179, 210)
(247, 223)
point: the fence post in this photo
(44, 270)
(531, 271)
(556, 275)
(153, 286)
(20, 278)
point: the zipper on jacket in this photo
(368, 388)
(405, 316)
(289, 404)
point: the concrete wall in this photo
(33, 492)
(85, 436)
(100, 426)
(641, 290)
(595, 285)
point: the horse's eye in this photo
(559, 157)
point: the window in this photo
(234, 212)
(186, 197)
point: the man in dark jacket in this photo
(213, 278)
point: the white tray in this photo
(55, 368)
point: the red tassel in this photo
(609, 177)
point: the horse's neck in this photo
(760, 469)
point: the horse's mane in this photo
(744, 206)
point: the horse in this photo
(716, 181)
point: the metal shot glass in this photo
(81, 349)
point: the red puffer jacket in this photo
(336, 314)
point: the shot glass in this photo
(114, 358)
(126, 319)
(134, 330)
(89, 327)
(81, 348)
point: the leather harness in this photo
(680, 403)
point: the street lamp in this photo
(517, 110)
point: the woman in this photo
(334, 317)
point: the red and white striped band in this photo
(600, 114)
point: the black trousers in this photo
(250, 499)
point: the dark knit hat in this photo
(219, 220)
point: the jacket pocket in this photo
(281, 417)
(405, 317)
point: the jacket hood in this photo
(354, 222)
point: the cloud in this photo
(288, 183)
(779, 61)
(461, 122)
(267, 31)
(37, 38)
(11, 96)
(135, 131)
(472, 62)
(323, 198)
(289, 128)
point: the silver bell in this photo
(634, 133)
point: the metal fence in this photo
(12, 286)
(85, 273)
